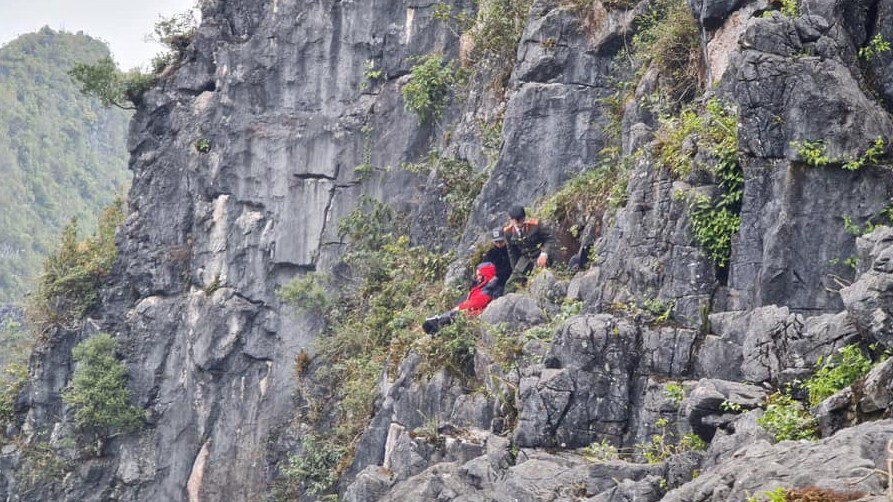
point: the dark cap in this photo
(517, 213)
(497, 234)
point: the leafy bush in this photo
(662, 446)
(876, 46)
(602, 451)
(494, 34)
(374, 322)
(459, 183)
(305, 293)
(667, 37)
(315, 467)
(715, 130)
(812, 152)
(787, 419)
(99, 388)
(840, 370)
(428, 90)
(175, 33)
(675, 392)
(871, 156)
(12, 381)
(453, 347)
(69, 286)
(589, 195)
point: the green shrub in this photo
(316, 467)
(589, 195)
(12, 381)
(675, 392)
(776, 495)
(667, 37)
(458, 181)
(375, 321)
(714, 221)
(69, 286)
(812, 152)
(174, 33)
(840, 370)
(305, 293)
(202, 145)
(602, 451)
(98, 389)
(428, 90)
(713, 228)
(872, 156)
(876, 46)
(494, 34)
(663, 446)
(454, 346)
(787, 419)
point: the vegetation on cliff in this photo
(61, 154)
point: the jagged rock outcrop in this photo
(274, 89)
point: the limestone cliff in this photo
(244, 160)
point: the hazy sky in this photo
(122, 24)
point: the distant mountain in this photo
(61, 154)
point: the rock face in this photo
(278, 91)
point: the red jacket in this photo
(480, 294)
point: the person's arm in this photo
(546, 240)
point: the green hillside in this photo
(61, 154)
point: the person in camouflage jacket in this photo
(529, 245)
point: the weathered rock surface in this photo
(274, 88)
(869, 300)
(844, 462)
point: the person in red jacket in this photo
(482, 292)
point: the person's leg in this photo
(433, 324)
(518, 279)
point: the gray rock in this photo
(713, 404)
(877, 389)
(868, 299)
(771, 344)
(585, 396)
(516, 311)
(371, 484)
(842, 462)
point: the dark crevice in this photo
(313, 176)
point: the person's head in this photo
(498, 237)
(484, 273)
(517, 215)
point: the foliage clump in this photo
(12, 380)
(494, 34)
(110, 85)
(665, 445)
(428, 90)
(667, 37)
(459, 183)
(714, 132)
(840, 370)
(315, 468)
(98, 389)
(588, 196)
(69, 286)
(787, 419)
